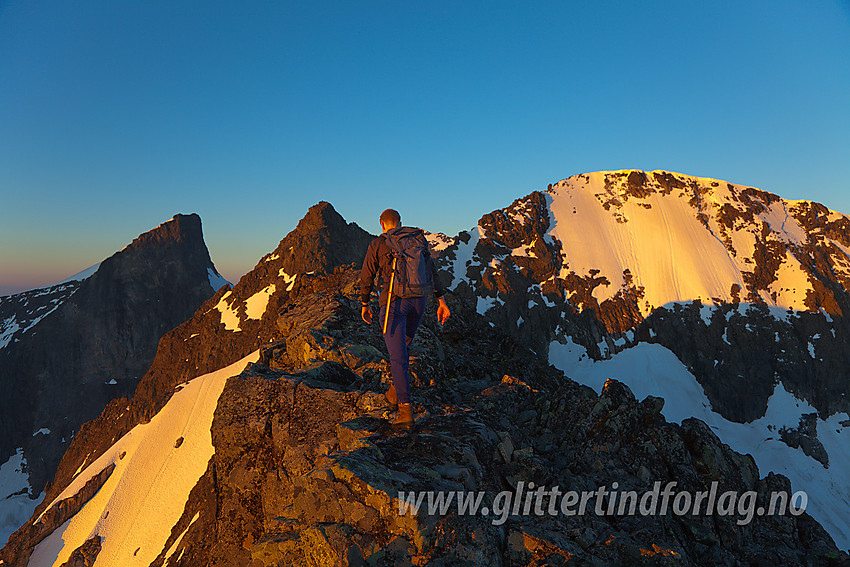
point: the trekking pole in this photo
(389, 297)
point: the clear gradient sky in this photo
(114, 116)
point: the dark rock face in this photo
(322, 241)
(98, 341)
(742, 350)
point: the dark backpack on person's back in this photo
(412, 274)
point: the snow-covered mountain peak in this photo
(624, 243)
(684, 238)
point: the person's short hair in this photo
(391, 217)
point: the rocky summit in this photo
(68, 349)
(260, 434)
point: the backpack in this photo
(412, 275)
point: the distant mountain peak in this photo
(623, 243)
(320, 242)
(179, 228)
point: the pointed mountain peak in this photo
(322, 218)
(178, 242)
(322, 241)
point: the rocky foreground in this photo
(308, 472)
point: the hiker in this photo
(406, 249)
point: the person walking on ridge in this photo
(402, 257)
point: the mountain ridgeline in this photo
(260, 435)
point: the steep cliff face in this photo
(260, 436)
(77, 345)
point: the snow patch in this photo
(705, 312)
(438, 241)
(484, 304)
(784, 226)
(216, 280)
(287, 279)
(463, 257)
(791, 286)
(177, 541)
(566, 356)
(146, 493)
(229, 317)
(524, 251)
(8, 328)
(255, 306)
(80, 276)
(16, 502)
(42, 431)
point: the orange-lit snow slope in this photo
(694, 238)
(136, 509)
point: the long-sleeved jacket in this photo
(379, 261)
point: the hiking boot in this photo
(404, 419)
(391, 397)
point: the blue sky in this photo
(114, 116)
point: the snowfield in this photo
(144, 497)
(80, 276)
(216, 280)
(663, 243)
(16, 506)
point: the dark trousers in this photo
(405, 315)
